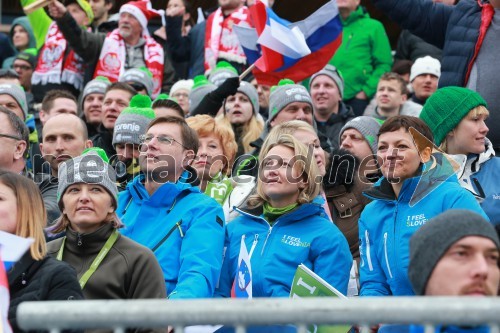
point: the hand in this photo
(173, 11)
(361, 95)
(228, 87)
(56, 9)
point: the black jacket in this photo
(44, 280)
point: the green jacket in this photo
(40, 23)
(364, 55)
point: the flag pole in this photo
(247, 71)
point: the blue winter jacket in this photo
(304, 235)
(387, 223)
(438, 329)
(185, 230)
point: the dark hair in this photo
(402, 67)
(8, 73)
(395, 123)
(389, 76)
(17, 125)
(121, 86)
(168, 103)
(52, 95)
(188, 135)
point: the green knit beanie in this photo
(132, 122)
(444, 110)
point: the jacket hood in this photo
(359, 13)
(25, 23)
(166, 194)
(430, 176)
(300, 213)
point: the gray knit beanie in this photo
(249, 90)
(90, 168)
(17, 92)
(431, 241)
(95, 86)
(221, 73)
(284, 93)
(132, 122)
(333, 73)
(140, 76)
(367, 126)
(200, 88)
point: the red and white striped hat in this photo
(141, 10)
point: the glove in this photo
(227, 88)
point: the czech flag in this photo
(281, 49)
(242, 285)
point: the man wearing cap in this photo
(13, 98)
(90, 103)
(330, 113)
(424, 77)
(128, 46)
(140, 79)
(130, 126)
(468, 33)
(116, 98)
(24, 64)
(59, 67)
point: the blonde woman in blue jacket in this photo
(285, 225)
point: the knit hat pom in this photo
(145, 70)
(102, 78)
(225, 65)
(200, 80)
(96, 151)
(161, 97)
(282, 82)
(140, 101)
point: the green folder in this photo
(306, 283)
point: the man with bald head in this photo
(64, 136)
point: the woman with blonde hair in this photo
(456, 117)
(108, 265)
(36, 276)
(285, 225)
(216, 152)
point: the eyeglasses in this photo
(162, 139)
(22, 67)
(177, 95)
(10, 137)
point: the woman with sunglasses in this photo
(457, 118)
(284, 225)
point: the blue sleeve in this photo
(333, 259)
(201, 253)
(424, 18)
(373, 281)
(226, 279)
(465, 200)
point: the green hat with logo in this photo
(132, 122)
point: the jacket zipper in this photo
(368, 254)
(386, 256)
(79, 239)
(254, 244)
(177, 225)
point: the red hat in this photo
(142, 11)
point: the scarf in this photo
(220, 39)
(219, 188)
(52, 67)
(271, 214)
(111, 62)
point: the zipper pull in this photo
(23, 279)
(79, 239)
(180, 229)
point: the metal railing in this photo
(239, 313)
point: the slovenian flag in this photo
(12, 249)
(242, 285)
(282, 49)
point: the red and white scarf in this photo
(220, 39)
(112, 59)
(52, 67)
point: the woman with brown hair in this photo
(36, 276)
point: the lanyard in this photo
(97, 261)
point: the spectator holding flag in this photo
(36, 276)
(284, 225)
